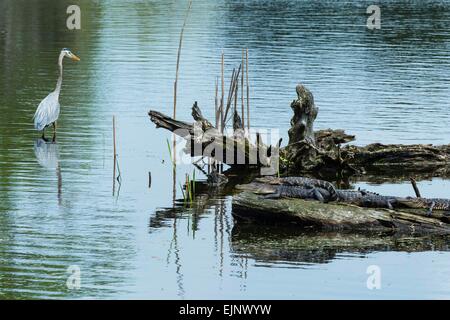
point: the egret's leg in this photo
(43, 135)
(54, 131)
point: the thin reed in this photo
(242, 90)
(188, 188)
(178, 60)
(115, 153)
(248, 90)
(170, 153)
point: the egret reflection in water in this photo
(47, 155)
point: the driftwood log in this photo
(206, 140)
(308, 151)
(289, 242)
(249, 207)
(417, 156)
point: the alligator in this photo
(324, 191)
(425, 203)
(304, 182)
(284, 191)
(292, 189)
(361, 198)
(364, 198)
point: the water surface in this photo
(56, 204)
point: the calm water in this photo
(56, 203)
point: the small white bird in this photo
(48, 110)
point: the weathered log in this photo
(331, 136)
(308, 151)
(202, 121)
(206, 140)
(250, 207)
(265, 185)
(325, 153)
(168, 123)
(407, 156)
(330, 141)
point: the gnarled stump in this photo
(321, 151)
(305, 112)
(305, 152)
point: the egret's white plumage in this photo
(48, 110)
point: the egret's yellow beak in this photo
(74, 57)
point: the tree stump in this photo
(305, 112)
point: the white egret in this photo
(48, 110)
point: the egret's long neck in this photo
(60, 64)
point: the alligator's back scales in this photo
(308, 188)
(360, 197)
(284, 191)
(308, 183)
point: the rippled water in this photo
(56, 204)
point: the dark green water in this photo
(56, 204)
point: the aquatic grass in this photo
(170, 152)
(223, 92)
(116, 167)
(232, 93)
(115, 153)
(175, 85)
(186, 186)
(182, 192)
(193, 181)
(278, 167)
(188, 189)
(242, 89)
(248, 90)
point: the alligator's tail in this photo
(413, 203)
